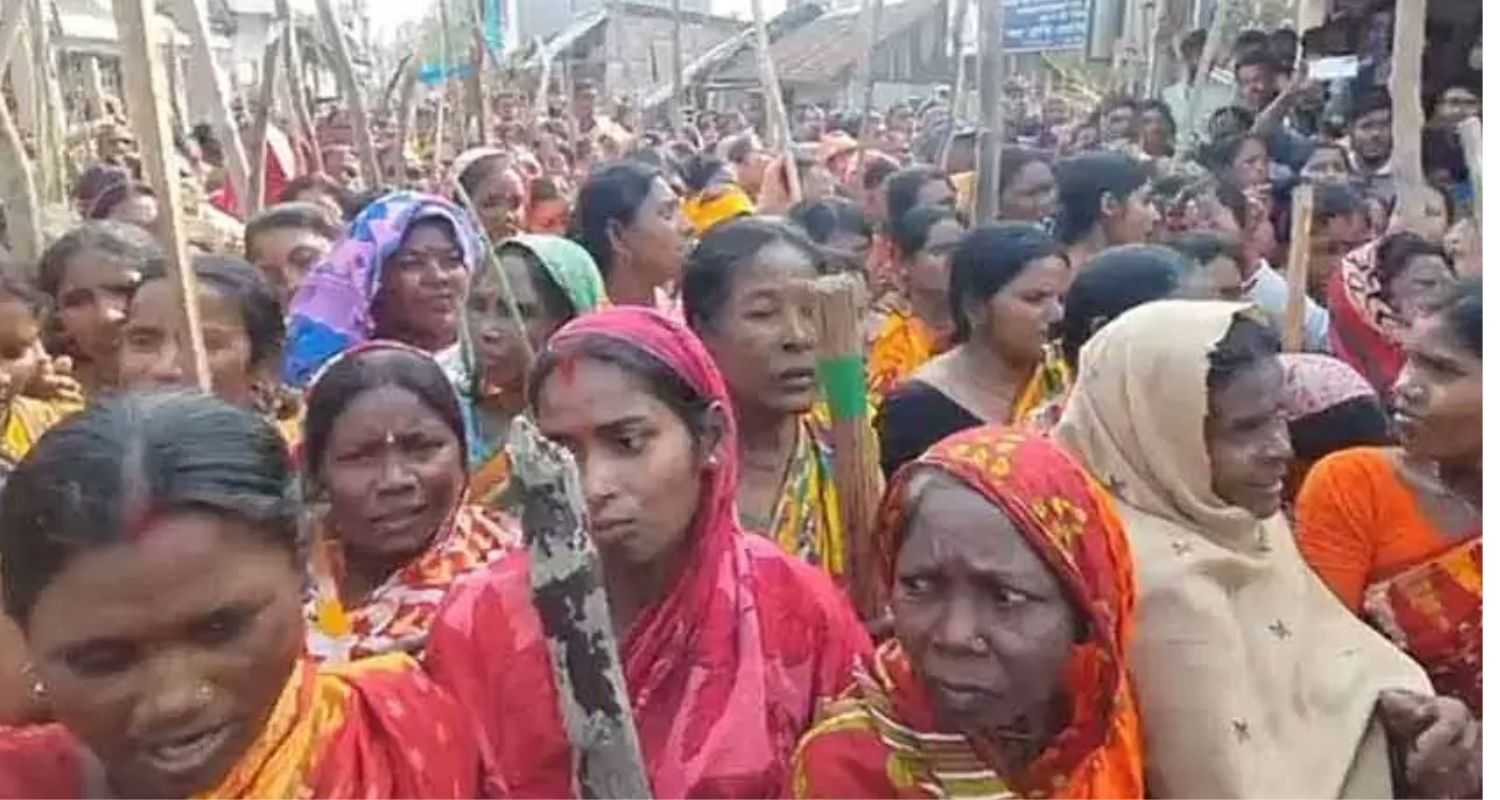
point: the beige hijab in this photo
(1254, 681)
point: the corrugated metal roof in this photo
(825, 48)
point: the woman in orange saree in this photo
(152, 549)
(1395, 532)
(1007, 676)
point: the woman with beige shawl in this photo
(1253, 679)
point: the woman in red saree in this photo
(726, 641)
(1023, 692)
(1395, 532)
(153, 561)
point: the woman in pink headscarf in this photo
(726, 642)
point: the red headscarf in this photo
(723, 672)
(884, 739)
(1364, 330)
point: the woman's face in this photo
(1252, 165)
(1437, 399)
(656, 239)
(1133, 219)
(1414, 289)
(21, 353)
(1156, 134)
(91, 299)
(1249, 446)
(155, 354)
(394, 471)
(983, 618)
(497, 340)
(928, 272)
(422, 288)
(548, 216)
(165, 653)
(1017, 321)
(501, 200)
(765, 337)
(1326, 165)
(286, 255)
(1031, 196)
(641, 470)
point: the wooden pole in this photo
(51, 137)
(294, 84)
(236, 164)
(778, 133)
(870, 30)
(23, 213)
(442, 87)
(957, 92)
(841, 371)
(12, 17)
(1471, 136)
(479, 90)
(1205, 66)
(539, 103)
(146, 88)
(675, 107)
(1406, 106)
(257, 198)
(992, 137)
(1298, 256)
(405, 114)
(567, 585)
(93, 83)
(178, 86)
(343, 68)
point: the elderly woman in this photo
(1253, 679)
(386, 459)
(154, 561)
(725, 640)
(1013, 594)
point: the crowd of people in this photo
(313, 580)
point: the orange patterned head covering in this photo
(1071, 524)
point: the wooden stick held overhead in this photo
(236, 164)
(957, 91)
(294, 83)
(1298, 256)
(23, 213)
(146, 91)
(841, 373)
(1201, 76)
(567, 585)
(870, 30)
(343, 67)
(1406, 108)
(991, 65)
(257, 199)
(778, 132)
(12, 17)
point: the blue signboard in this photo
(1032, 25)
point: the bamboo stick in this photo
(257, 198)
(1406, 106)
(93, 83)
(294, 84)
(991, 139)
(12, 19)
(539, 103)
(1298, 256)
(870, 25)
(675, 107)
(841, 371)
(405, 114)
(957, 91)
(146, 87)
(1470, 134)
(567, 584)
(51, 137)
(23, 214)
(236, 164)
(778, 132)
(343, 68)
(442, 87)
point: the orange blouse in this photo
(1359, 523)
